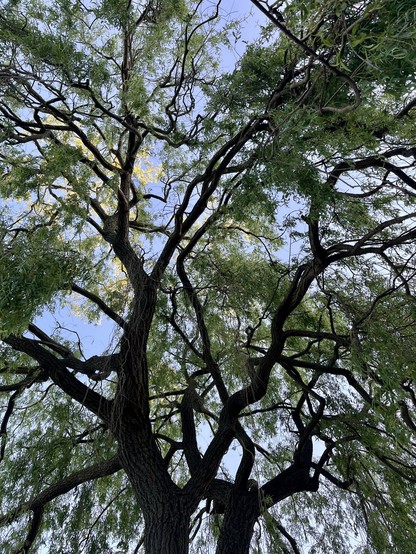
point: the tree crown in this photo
(245, 237)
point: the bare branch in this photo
(101, 304)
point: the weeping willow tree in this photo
(240, 241)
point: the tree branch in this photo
(95, 471)
(33, 529)
(57, 371)
(101, 304)
(334, 70)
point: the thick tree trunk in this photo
(240, 516)
(165, 509)
(167, 530)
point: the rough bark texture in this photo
(238, 525)
(167, 530)
(165, 508)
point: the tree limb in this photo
(73, 480)
(57, 371)
(101, 304)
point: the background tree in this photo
(251, 237)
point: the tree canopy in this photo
(230, 207)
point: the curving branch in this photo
(190, 444)
(5, 421)
(101, 304)
(291, 540)
(377, 161)
(34, 529)
(278, 22)
(73, 480)
(34, 376)
(57, 372)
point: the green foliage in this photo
(29, 280)
(187, 243)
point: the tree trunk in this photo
(167, 530)
(166, 510)
(240, 516)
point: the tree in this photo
(250, 235)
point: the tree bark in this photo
(167, 529)
(240, 516)
(166, 509)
